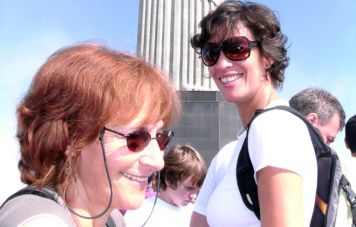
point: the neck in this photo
(165, 197)
(98, 222)
(81, 203)
(260, 101)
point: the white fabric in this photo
(277, 139)
(216, 172)
(163, 215)
(344, 216)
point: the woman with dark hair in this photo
(92, 129)
(243, 47)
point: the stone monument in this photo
(164, 31)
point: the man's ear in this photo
(313, 118)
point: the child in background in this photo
(178, 184)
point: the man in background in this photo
(326, 114)
(322, 109)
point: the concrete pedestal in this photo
(207, 122)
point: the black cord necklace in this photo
(154, 203)
(110, 185)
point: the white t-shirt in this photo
(343, 215)
(276, 138)
(163, 215)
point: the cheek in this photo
(112, 146)
(182, 194)
(122, 159)
(211, 71)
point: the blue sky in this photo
(321, 35)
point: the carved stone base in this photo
(207, 122)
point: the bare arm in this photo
(198, 220)
(281, 197)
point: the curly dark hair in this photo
(263, 24)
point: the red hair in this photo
(71, 98)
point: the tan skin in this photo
(91, 185)
(280, 191)
(328, 129)
(182, 195)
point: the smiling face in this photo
(128, 170)
(240, 81)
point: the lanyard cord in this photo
(110, 184)
(154, 203)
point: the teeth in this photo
(135, 178)
(230, 78)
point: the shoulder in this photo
(31, 210)
(278, 122)
(43, 220)
(277, 135)
(143, 210)
(117, 218)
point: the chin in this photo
(230, 99)
(233, 98)
(134, 202)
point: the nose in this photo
(192, 197)
(222, 63)
(152, 156)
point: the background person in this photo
(327, 115)
(322, 109)
(92, 129)
(344, 215)
(243, 47)
(180, 179)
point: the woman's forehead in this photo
(222, 33)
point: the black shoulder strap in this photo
(244, 168)
(245, 180)
(30, 190)
(110, 222)
(350, 195)
(33, 190)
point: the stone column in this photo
(165, 29)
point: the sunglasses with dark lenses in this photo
(235, 49)
(138, 140)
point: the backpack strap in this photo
(110, 222)
(350, 195)
(246, 181)
(32, 190)
(244, 168)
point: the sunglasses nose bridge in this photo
(222, 59)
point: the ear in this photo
(313, 118)
(167, 182)
(267, 63)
